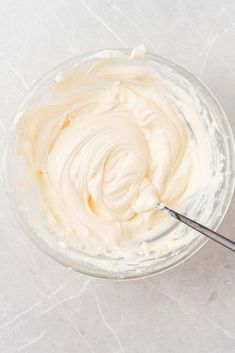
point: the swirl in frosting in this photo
(114, 139)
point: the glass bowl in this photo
(25, 203)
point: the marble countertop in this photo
(43, 306)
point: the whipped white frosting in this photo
(114, 139)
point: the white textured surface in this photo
(43, 306)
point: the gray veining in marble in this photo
(43, 306)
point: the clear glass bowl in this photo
(25, 203)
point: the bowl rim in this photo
(199, 242)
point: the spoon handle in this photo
(200, 228)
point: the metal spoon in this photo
(199, 227)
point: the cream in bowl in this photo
(101, 144)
